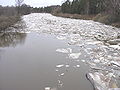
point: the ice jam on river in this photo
(95, 44)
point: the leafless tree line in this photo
(8, 11)
(19, 9)
(18, 5)
(112, 6)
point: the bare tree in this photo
(18, 4)
(112, 6)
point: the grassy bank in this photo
(103, 18)
(74, 16)
(108, 19)
(8, 21)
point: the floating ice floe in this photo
(114, 41)
(83, 60)
(77, 60)
(96, 61)
(101, 81)
(62, 50)
(53, 88)
(56, 70)
(59, 66)
(61, 37)
(115, 63)
(115, 53)
(115, 46)
(47, 88)
(88, 50)
(68, 50)
(67, 66)
(62, 74)
(60, 83)
(78, 66)
(95, 42)
(74, 55)
(116, 74)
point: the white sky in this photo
(34, 3)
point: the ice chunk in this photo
(62, 50)
(70, 50)
(47, 88)
(115, 63)
(78, 66)
(96, 61)
(56, 70)
(60, 83)
(74, 55)
(53, 88)
(67, 66)
(94, 42)
(77, 60)
(114, 42)
(62, 74)
(115, 46)
(59, 66)
(83, 60)
(96, 81)
(115, 53)
(61, 37)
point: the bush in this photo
(106, 18)
(7, 21)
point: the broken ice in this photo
(59, 66)
(74, 55)
(47, 88)
(100, 42)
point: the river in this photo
(54, 53)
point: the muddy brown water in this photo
(28, 62)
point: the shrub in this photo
(7, 21)
(106, 18)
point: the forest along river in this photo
(54, 53)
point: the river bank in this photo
(8, 21)
(106, 19)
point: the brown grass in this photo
(74, 16)
(107, 19)
(7, 21)
(103, 18)
(117, 24)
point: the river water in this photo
(53, 53)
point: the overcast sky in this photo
(34, 3)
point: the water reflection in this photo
(8, 39)
(0, 53)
